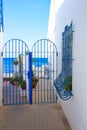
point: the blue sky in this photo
(26, 19)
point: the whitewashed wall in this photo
(76, 108)
(1, 39)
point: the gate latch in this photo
(29, 74)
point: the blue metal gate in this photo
(15, 70)
(44, 66)
(28, 76)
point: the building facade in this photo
(1, 40)
(62, 13)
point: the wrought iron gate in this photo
(44, 66)
(29, 78)
(15, 68)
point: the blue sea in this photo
(38, 62)
(8, 63)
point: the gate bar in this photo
(30, 77)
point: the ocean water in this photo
(38, 62)
(8, 63)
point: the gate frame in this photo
(30, 77)
(30, 72)
(54, 51)
(26, 49)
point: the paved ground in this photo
(33, 117)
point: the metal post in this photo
(30, 77)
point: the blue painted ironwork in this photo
(43, 62)
(14, 72)
(30, 77)
(1, 16)
(44, 66)
(59, 82)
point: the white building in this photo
(1, 40)
(62, 12)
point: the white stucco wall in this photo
(1, 38)
(76, 108)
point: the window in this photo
(67, 50)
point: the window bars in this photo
(63, 83)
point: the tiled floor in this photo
(33, 117)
